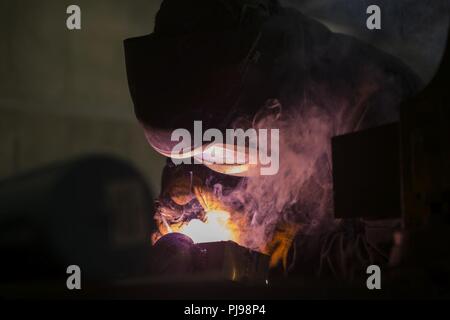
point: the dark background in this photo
(64, 93)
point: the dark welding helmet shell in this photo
(192, 67)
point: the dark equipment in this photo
(403, 171)
(366, 172)
(94, 212)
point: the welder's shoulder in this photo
(378, 62)
(339, 51)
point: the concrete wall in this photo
(30, 140)
(64, 93)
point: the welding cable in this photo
(374, 248)
(325, 253)
(359, 253)
(342, 258)
(336, 242)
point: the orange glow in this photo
(217, 227)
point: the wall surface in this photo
(64, 93)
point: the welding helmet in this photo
(194, 67)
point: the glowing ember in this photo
(217, 227)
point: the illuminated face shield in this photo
(220, 157)
(236, 160)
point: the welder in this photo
(229, 63)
